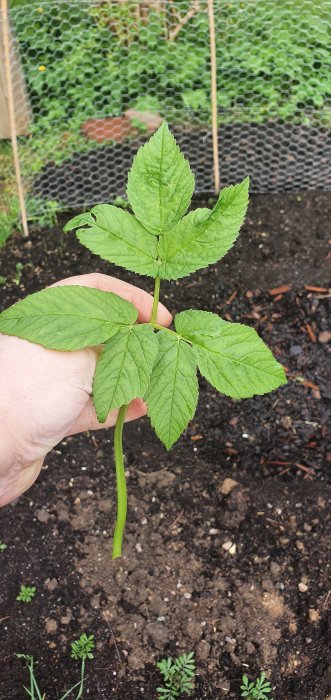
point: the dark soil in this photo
(278, 157)
(242, 578)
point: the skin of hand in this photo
(45, 395)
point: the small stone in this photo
(233, 549)
(51, 584)
(65, 619)
(303, 588)
(228, 485)
(227, 545)
(295, 350)
(274, 568)
(187, 596)
(324, 337)
(139, 548)
(51, 625)
(214, 531)
(313, 615)
(286, 422)
(42, 515)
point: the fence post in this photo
(213, 77)
(11, 114)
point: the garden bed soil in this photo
(259, 603)
(277, 156)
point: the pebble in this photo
(313, 615)
(295, 350)
(51, 625)
(51, 584)
(42, 515)
(228, 485)
(303, 588)
(227, 545)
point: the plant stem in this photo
(156, 299)
(81, 687)
(162, 328)
(120, 483)
(118, 453)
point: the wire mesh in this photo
(93, 79)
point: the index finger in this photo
(141, 299)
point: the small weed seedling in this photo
(26, 593)
(19, 267)
(146, 360)
(3, 546)
(256, 690)
(178, 677)
(81, 650)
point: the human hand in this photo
(45, 395)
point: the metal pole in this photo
(213, 76)
(11, 113)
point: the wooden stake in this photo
(213, 76)
(11, 112)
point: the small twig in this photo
(191, 12)
(115, 642)
(179, 516)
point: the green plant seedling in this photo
(19, 267)
(256, 690)
(3, 546)
(178, 676)
(146, 360)
(81, 649)
(3, 279)
(26, 593)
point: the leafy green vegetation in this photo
(178, 676)
(273, 60)
(146, 360)
(81, 650)
(3, 546)
(256, 690)
(26, 593)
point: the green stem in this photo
(81, 687)
(120, 483)
(156, 299)
(118, 453)
(162, 328)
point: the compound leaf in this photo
(231, 356)
(204, 236)
(173, 390)
(117, 236)
(124, 367)
(68, 317)
(160, 182)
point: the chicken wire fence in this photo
(92, 80)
